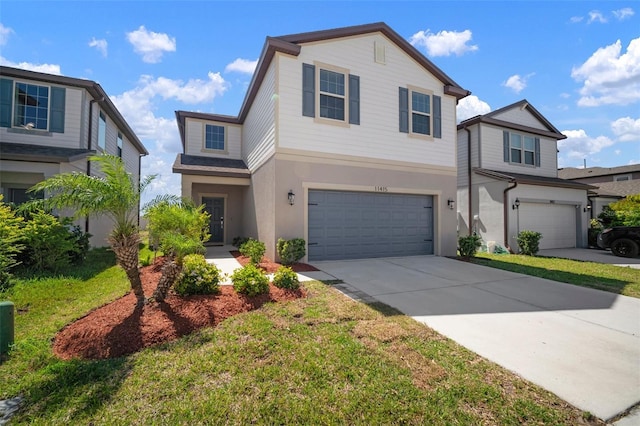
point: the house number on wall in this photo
(381, 189)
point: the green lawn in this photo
(321, 360)
(615, 279)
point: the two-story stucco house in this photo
(346, 138)
(51, 124)
(508, 181)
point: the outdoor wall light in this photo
(516, 204)
(451, 203)
(586, 209)
(291, 197)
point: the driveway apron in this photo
(581, 344)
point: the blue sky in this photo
(577, 62)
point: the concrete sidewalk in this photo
(581, 344)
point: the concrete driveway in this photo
(592, 255)
(581, 344)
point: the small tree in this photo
(529, 242)
(180, 228)
(627, 211)
(10, 242)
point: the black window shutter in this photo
(404, 109)
(308, 90)
(437, 117)
(57, 109)
(505, 145)
(6, 97)
(537, 152)
(354, 99)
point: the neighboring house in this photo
(508, 158)
(346, 138)
(612, 183)
(51, 124)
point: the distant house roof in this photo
(208, 166)
(576, 173)
(489, 118)
(532, 180)
(41, 153)
(96, 91)
(618, 189)
(291, 45)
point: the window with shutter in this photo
(420, 112)
(330, 94)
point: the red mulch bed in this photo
(120, 328)
(269, 266)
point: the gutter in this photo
(89, 140)
(505, 208)
(469, 180)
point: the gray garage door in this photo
(354, 225)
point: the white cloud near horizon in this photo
(609, 76)
(471, 106)
(5, 32)
(579, 145)
(627, 129)
(244, 66)
(444, 43)
(517, 83)
(624, 13)
(596, 16)
(101, 45)
(45, 68)
(151, 45)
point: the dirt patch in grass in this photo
(269, 266)
(120, 327)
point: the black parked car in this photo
(624, 241)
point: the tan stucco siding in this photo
(259, 206)
(377, 135)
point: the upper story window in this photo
(102, 131)
(330, 94)
(521, 149)
(119, 144)
(622, 178)
(214, 137)
(420, 112)
(32, 106)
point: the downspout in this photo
(469, 181)
(89, 143)
(505, 207)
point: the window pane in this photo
(421, 124)
(529, 143)
(331, 82)
(516, 155)
(421, 102)
(214, 137)
(516, 141)
(331, 107)
(528, 158)
(31, 105)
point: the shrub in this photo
(529, 242)
(286, 278)
(253, 249)
(468, 245)
(80, 240)
(290, 251)
(239, 241)
(198, 276)
(49, 243)
(250, 280)
(10, 245)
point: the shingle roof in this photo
(41, 153)
(532, 179)
(576, 173)
(208, 166)
(620, 189)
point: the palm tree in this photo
(115, 195)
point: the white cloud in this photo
(617, 152)
(627, 129)
(101, 45)
(579, 145)
(242, 65)
(517, 83)
(624, 13)
(45, 68)
(610, 77)
(576, 19)
(444, 43)
(137, 106)
(596, 16)
(470, 107)
(165, 182)
(5, 32)
(151, 45)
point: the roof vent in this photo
(379, 53)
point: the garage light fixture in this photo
(291, 197)
(451, 203)
(516, 204)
